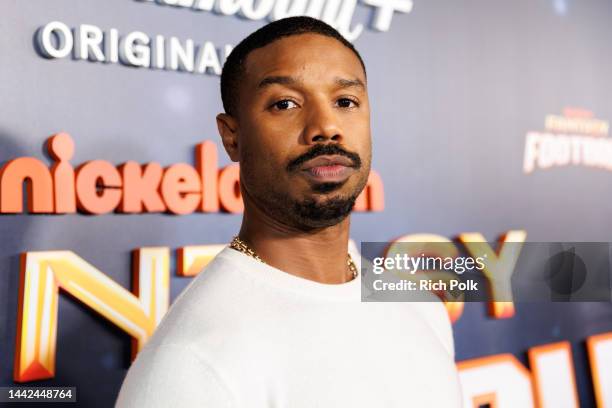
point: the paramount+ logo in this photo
(99, 187)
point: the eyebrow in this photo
(350, 83)
(288, 80)
(271, 80)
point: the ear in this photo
(228, 130)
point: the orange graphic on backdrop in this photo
(44, 273)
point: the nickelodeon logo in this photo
(98, 187)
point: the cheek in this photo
(358, 137)
(273, 139)
(264, 156)
(358, 123)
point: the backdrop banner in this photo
(490, 127)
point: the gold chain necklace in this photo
(241, 246)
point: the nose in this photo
(322, 125)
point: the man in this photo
(275, 320)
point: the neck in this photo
(319, 255)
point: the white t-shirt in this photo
(244, 334)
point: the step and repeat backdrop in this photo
(490, 121)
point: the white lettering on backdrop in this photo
(337, 13)
(138, 49)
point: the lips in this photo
(329, 169)
(328, 161)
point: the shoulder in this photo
(208, 297)
(182, 364)
(173, 375)
(222, 303)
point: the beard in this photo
(315, 214)
(312, 212)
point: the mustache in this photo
(322, 150)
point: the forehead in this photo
(302, 55)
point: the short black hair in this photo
(234, 67)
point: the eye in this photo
(284, 104)
(347, 103)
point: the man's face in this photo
(303, 137)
